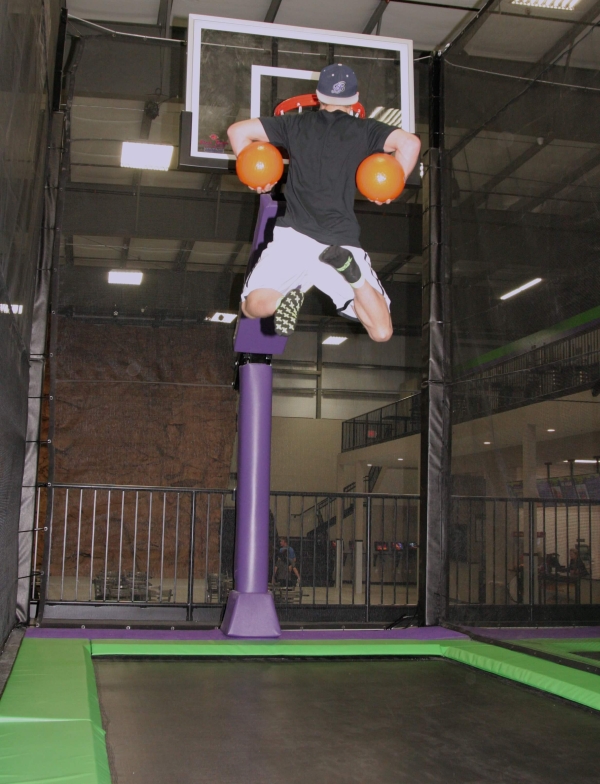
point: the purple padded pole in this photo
(254, 472)
(250, 610)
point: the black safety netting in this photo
(522, 186)
(189, 233)
(28, 33)
(142, 377)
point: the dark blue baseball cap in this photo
(337, 85)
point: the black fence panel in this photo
(524, 560)
(158, 553)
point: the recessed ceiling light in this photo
(222, 318)
(555, 5)
(369, 465)
(139, 155)
(16, 309)
(524, 287)
(551, 430)
(333, 341)
(126, 277)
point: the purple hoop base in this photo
(250, 615)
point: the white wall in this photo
(349, 390)
(304, 454)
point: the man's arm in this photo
(243, 133)
(405, 147)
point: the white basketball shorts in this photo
(291, 261)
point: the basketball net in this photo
(309, 101)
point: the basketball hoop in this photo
(310, 100)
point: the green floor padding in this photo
(50, 725)
(41, 752)
(325, 648)
(570, 684)
(567, 649)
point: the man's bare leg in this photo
(261, 303)
(372, 310)
(369, 304)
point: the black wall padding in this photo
(27, 44)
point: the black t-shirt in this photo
(325, 150)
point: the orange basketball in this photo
(259, 164)
(380, 177)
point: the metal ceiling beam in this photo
(565, 41)
(590, 161)
(479, 196)
(84, 291)
(95, 211)
(125, 251)
(273, 11)
(462, 39)
(535, 72)
(183, 255)
(395, 265)
(376, 17)
(164, 17)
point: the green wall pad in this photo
(568, 649)
(50, 726)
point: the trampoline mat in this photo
(330, 721)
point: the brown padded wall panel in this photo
(141, 405)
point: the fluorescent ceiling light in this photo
(139, 155)
(524, 287)
(16, 309)
(126, 277)
(487, 443)
(333, 341)
(555, 5)
(551, 430)
(388, 116)
(222, 318)
(592, 462)
(400, 458)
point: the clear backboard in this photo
(237, 69)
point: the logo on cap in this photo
(338, 87)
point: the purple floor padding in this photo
(424, 633)
(547, 633)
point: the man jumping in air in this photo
(316, 242)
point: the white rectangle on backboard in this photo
(403, 49)
(274, 70)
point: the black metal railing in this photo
(167, 553)
(564, 367)
(524, 552)
(395, 420)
